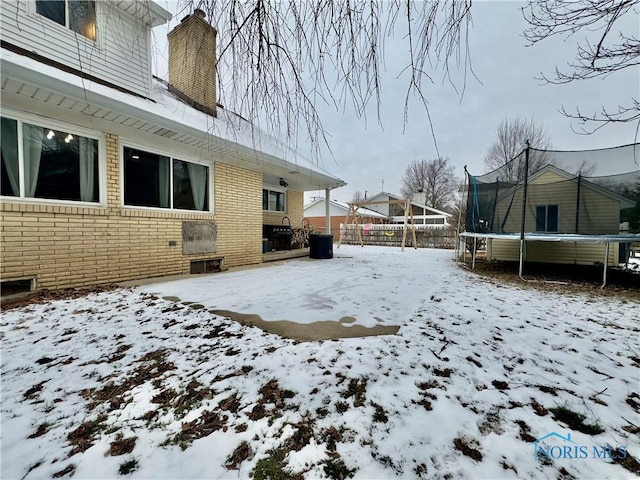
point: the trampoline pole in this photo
(521, 259)
(606, 262)
(464, 252)
(473, 259)
(524, 208)
(458, 229)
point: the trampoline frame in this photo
(546, 237)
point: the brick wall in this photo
(238, 207)
(66, 246)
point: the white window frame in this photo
(546, 218)
(279, 190)
(173, 155)
(32, 10)
(45, 122)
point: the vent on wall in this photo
(14, 287)
(212, 265)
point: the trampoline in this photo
(581, 197)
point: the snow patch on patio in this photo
(374, 285)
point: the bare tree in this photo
(357, 197)
(511, 137)
(279, 59)
(610, 51)
(434, 178)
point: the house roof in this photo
(362, 211)
(417, 204)
(624, 202)
(163, 119)
(383, 194)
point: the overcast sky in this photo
(366, 153)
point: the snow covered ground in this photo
(126, 383)
(377, 286)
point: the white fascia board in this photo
(47, 77)
(161, 16)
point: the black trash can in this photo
(320, 246)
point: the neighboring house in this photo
(109, 174)
(422, 215)
(315, 213)
(558, 202)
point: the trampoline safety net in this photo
(592, 192)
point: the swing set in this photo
(408, 219)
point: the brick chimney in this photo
(192, 62)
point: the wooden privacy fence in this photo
(427, 236)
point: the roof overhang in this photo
(397, 199)
(361, 211)
(148, 12)
(164, 120)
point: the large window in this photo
(547, 218)
(154, 180)
(51, 163)
(273, 201)
(77, 15)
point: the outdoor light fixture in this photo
(68, 138)
(283, 183)
(50, 134)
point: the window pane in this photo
(190, 186)
(273, 201)
(541, 218)
(10, 168)
(59, 165)
(276, 201)
(53, 10)
(552, 218)
(146, 179)
(82, 17)
(396, 210)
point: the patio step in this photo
(285, 254)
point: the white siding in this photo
(318, 210)
(554, 252)
(119, 56)
(599, 214)
(381, 208)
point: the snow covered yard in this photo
(126, 383)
